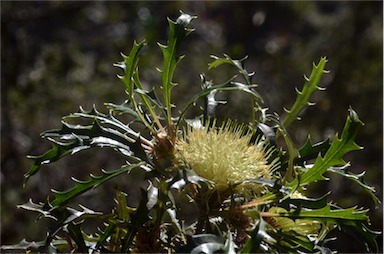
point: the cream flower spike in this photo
(224, 155)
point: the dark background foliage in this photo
(56, 56)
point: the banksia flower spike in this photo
(225, 156)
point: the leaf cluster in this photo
(281, 217)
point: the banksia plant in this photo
(211, 185)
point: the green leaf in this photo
(51, 155)
(123, 109)
(310, 86)
(74, 216)
(291, 242)
(77, 236)
(25, 245)
(71, 139)
(303, 201)
(129, 65)
(43, 209)
(358, 178)
(122, 208)
(324, 214)
(109, 232)
(333, 157)
(68, 218)
(149, 100)
(133, 84)
(293, 153)
(178, 31)
(351, 219)
(107, 120)
(311, 151)
(62, 197)
(239, 64)
(255, 239)
(229, 85)
(138, 218)
(266, 239)
(225, 60)
(363, 233)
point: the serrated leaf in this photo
(138, 218)
(133, 84)
(358, 178)
(77, 236)
(364, 234)
(178, 31)
(107, 120)
(74, 215)
(62, 197)
(303, 201)
(65, 218)
(25, 245)
(300, 226)
(351, 219)
(185, 177)
(129, 65)
(310, 151)
(108, 233)
(210, 102)
(239, 64)
(55, 153)
(256, 236)
(71, 139)
(43, 209)
(290, 242)
(222, 60)
(122, 208)
(310, 86)
(123, 109)
(266, 239)
(149, 100)
(324, 214)
(230, 85)
(333, 157)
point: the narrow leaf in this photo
(178, 31)
(62, 197)
(77, 236)
(239, 64)
(324, 214)
(358, 178)
(364, 234)
(55, 153)
(129, 66)
(40, 208)
(230, 85)
(310, 86)
(71, 139)
(123, 109)
(351, 219)
(25, 245)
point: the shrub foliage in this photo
(247, 183)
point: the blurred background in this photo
(59, 55)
